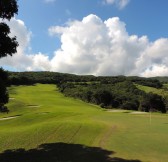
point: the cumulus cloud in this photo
(22, 60)
(93, 46)
(119, 3)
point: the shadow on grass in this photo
(60, 152)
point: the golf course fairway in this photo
(45, 126)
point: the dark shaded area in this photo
(4, 97)
(8, 8)
(60, 152)
(8, 46)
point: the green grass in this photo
(71, 130)
(162, 91)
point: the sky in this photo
(97, 37)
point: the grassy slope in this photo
(61, 119)
(162, 92)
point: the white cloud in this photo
(119, 3)
(92, 46)
(23, 61)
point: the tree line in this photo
(106, 91)
(8, 45)
(121, 94)
(28, 78)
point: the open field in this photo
(45, 126)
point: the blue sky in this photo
(142, 17)
(141, 51)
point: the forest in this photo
(107, 91)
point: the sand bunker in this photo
(11, 98)
(127, 111)
(7, 118)
(138, 112)
(117, 110)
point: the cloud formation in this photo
(93, 46)
(119, 3)
(22, 60)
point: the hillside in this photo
(45, 126)
(106, 91)
(21, 78)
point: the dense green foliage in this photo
(162, 92)
(123, 95)
(151, 82)
(162, 79)
(28, 78)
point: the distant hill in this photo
(106, 91)
(26, 78)
(163, 79)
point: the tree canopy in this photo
(8, 8)
(8, 45)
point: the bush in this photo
(102, 105)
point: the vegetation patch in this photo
(120, 95)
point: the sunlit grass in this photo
(44, 115)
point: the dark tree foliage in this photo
(102, 97)
(123, 95)
(8, 8)
(3, 75)
(3, 91)
(151, 82)
(8, 45)
(16, 78)
(153, 102)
